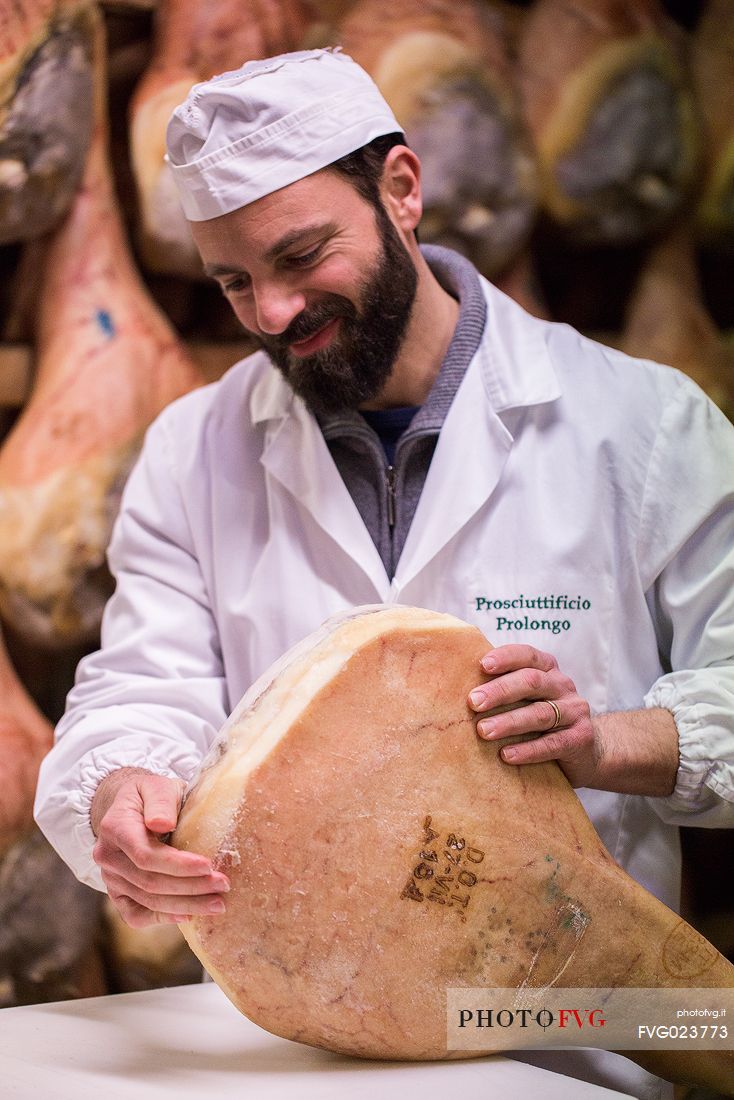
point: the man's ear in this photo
(401, 187)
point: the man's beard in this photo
(355, 366)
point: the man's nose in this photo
(276, 306)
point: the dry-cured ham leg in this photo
(328, 11)
(379, 852)
(108, 363)
(48, 928)
(325, 17)
(667, 320)
(444, 68)
(126, 5)
(47, 918)
(713, 69)
(608, 102)
(520, 281)
(25, 738)
(45, 111)
(194, 40)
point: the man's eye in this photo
(303, 259)
(234, 286)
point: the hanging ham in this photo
(48, 928)
(607, 98)
(194, 40)
(379, 853)
(25, 738)
(45, 111)
(520, 281)
(41, 957)
(328, 12)
(713, 67)
(667, 320)
(444, 68)
(108, 363)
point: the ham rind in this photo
(379, 852)
(444, 68)
(45, 111)
(194, 40)
(607, 99)
(713, 69)
(667, 320)
(108, 363)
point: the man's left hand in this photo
(549, 706)
(633, 752)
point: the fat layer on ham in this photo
(379, 852)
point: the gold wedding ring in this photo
(556, 711)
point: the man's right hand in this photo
(148, 881)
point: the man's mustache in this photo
(310, 321)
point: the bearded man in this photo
(406, 434)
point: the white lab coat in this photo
(564, 469)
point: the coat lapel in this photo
(511, 369)
(470, 456)
(297, 457)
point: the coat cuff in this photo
(64, 817)
(704, 788)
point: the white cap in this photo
(247, 133)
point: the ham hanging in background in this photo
(608, 100)
(667, 320)
(107, 363)
(444, 68)
(520, 281)
(25, 738)
(329, 11)
(194, 40)
(48, 920)
(45, 111)
(713, 68)
(49, 924)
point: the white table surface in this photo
(191, 1042)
